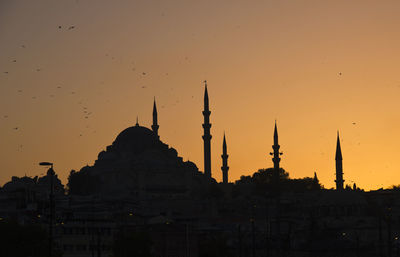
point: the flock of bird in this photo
(85, 111)
(87, 114)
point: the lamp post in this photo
(50, 172)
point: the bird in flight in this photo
(16, 128)
(71, 27)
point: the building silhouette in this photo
(155, 125)
(339, 166)
(207, 136)
(276, 159)
(139, 183)
(225, 166)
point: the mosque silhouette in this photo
(140, 198)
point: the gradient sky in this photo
(315, 66)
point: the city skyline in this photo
(72, 79)
(207, 162)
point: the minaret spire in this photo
(275, 135)
(137, 121)
(315, 176)
(315, 182)
(207, 136)
(206, 104)
(225, 166)
(339, 165)
(155, 125)
(276, 159)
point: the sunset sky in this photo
(314, 66)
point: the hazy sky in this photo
(315, 66)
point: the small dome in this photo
(136, 139)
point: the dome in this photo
(135, 139)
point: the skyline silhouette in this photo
(275, 155)
(207, 143)
(140, 190)
(72, 77)
(199, 128)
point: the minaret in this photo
(276, 159)
(207, 136)
(225, 166)
(155, 126)
(315, 182)
(339, 166)
(137, 121)
(315, 177)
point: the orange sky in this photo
(263, 60)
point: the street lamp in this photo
(51, 173)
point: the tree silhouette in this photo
(261, 182)
(82, 183)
